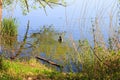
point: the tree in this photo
(27, 5)
(0, 12)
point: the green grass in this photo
(16, 70)
(9, 33)
(9, 27)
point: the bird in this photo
(60, 40)
(12, 57)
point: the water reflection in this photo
(44, 43)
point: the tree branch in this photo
(48, 61)
(27, 6)
(23, 44)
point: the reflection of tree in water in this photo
(46, 41)
(45, 35)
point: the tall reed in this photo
(9, 27)
(9, 34)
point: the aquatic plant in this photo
(9, 34)
(9, 27)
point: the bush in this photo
(9, 27)
(9, 34)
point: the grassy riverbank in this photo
(33, 70)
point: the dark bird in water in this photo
(12, 57)
(60, 39)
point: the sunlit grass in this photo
(16, 70)
(23, 69)
(9, 27)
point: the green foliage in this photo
(91, 69)
(26, 70)
(2, 65)
(9, 27)
(8, 77)
(114, 63)
(104, 67)
(20, 70)
(9, 33)
(52, 1)
(27, 5)
(7, 2)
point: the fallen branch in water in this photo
(48, 61)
